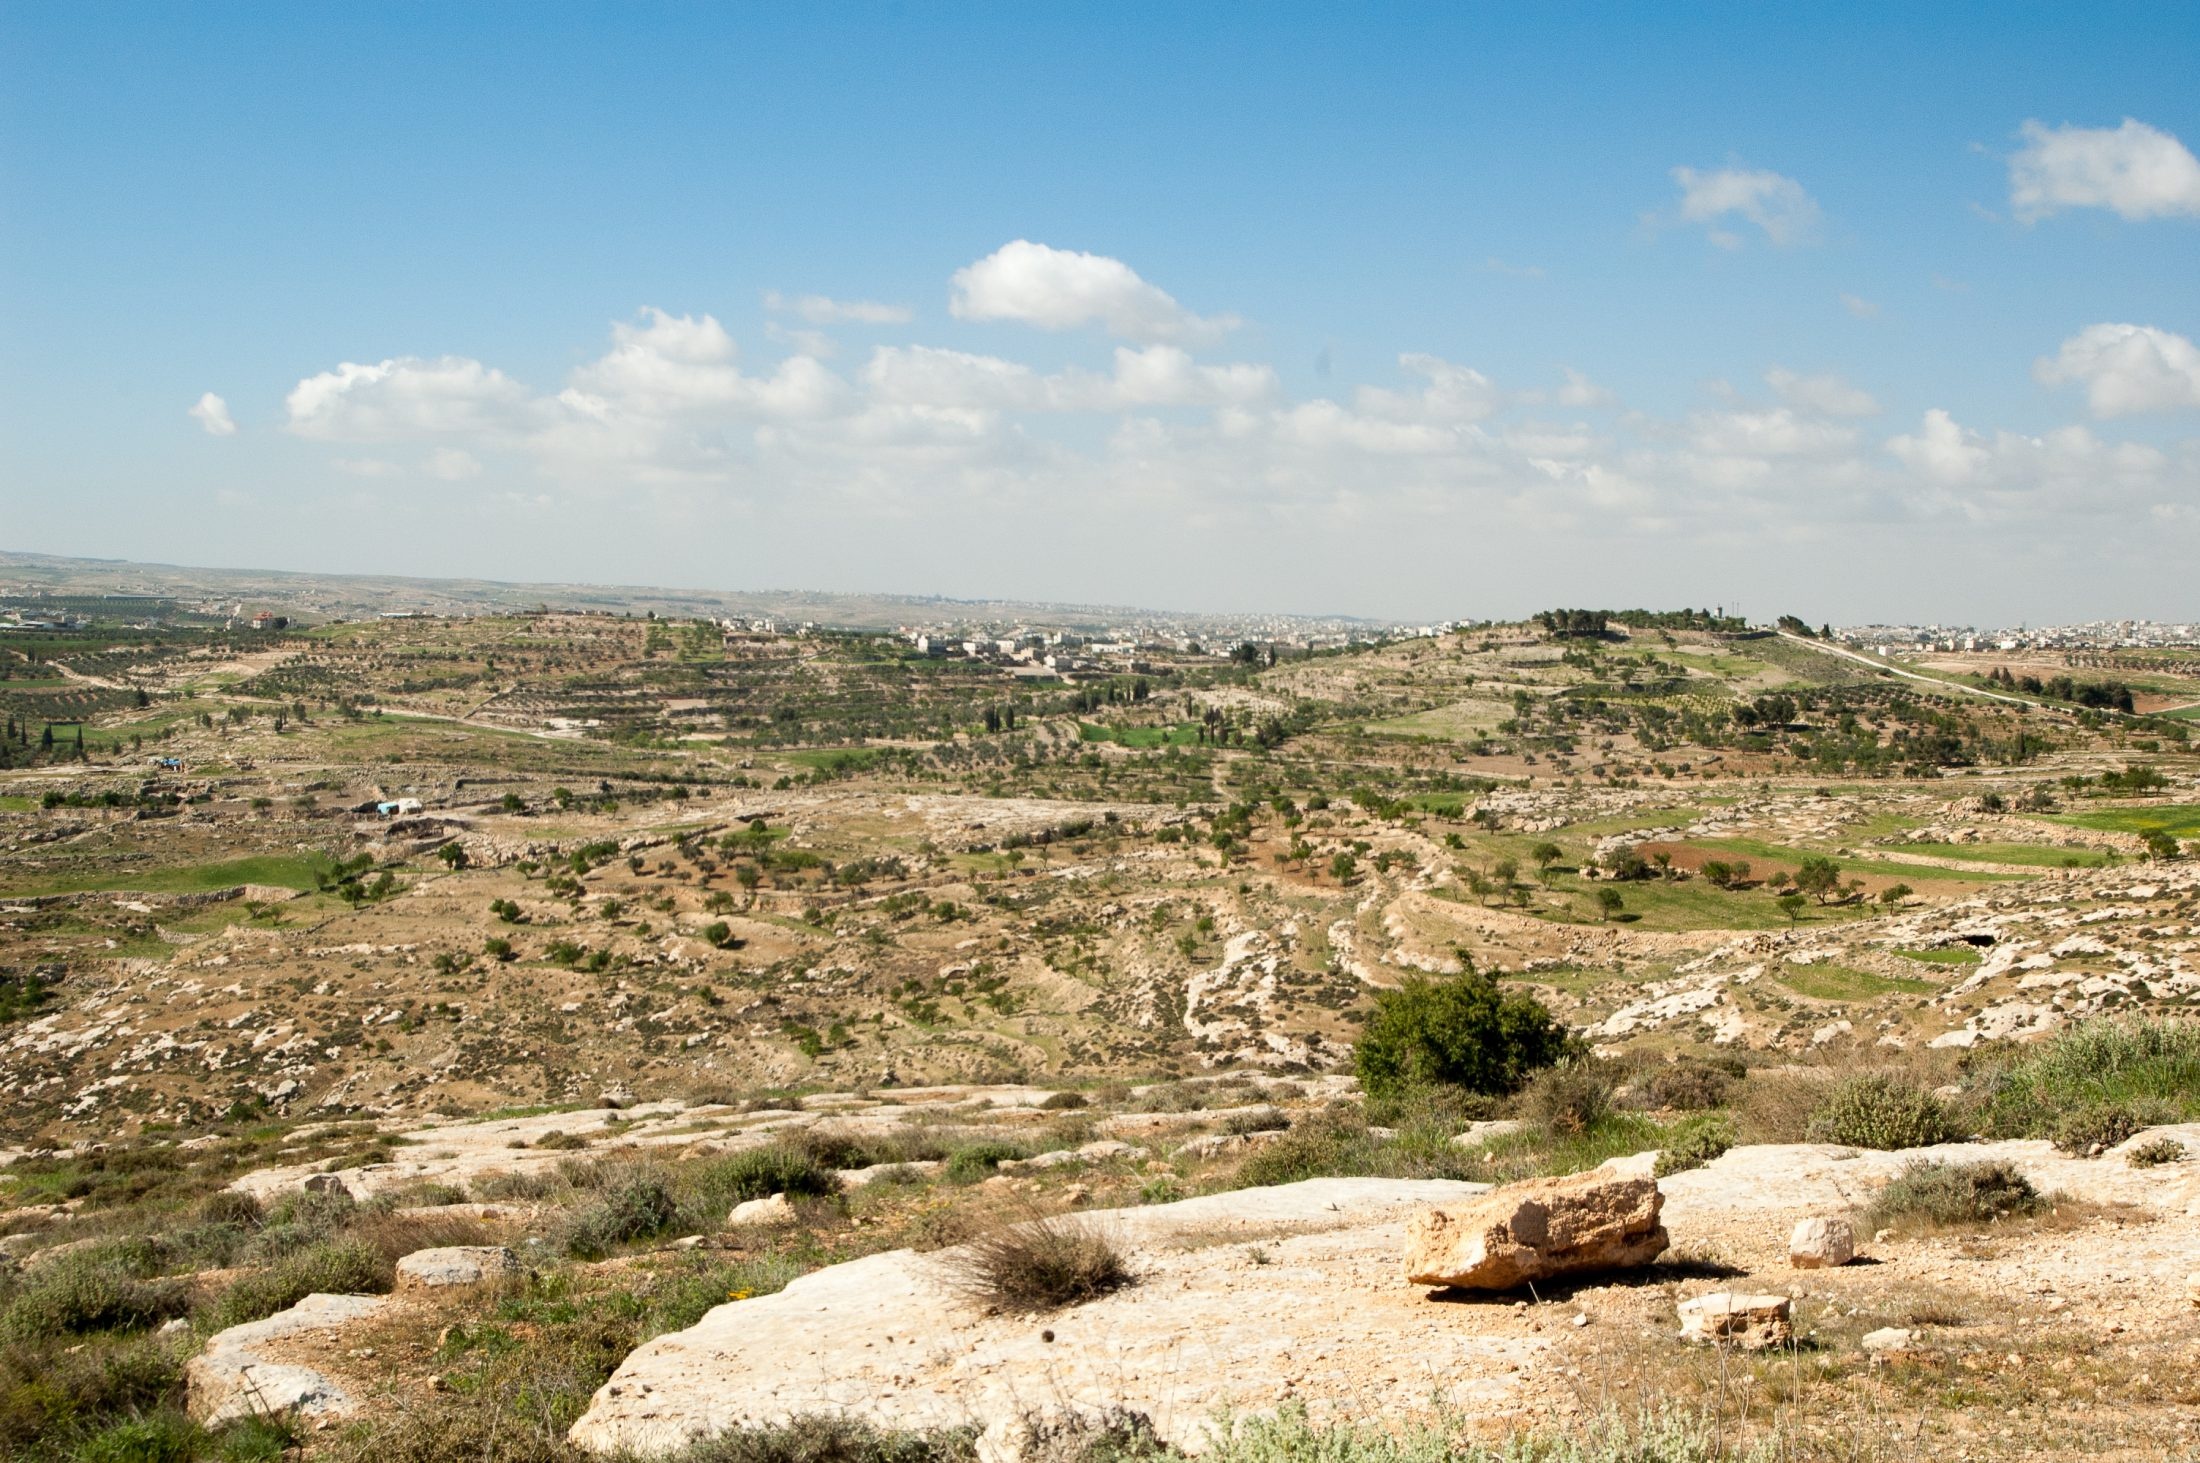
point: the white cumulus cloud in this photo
(402, 398)
(2134, 171)
(1941, 449)
(1775, 203)
(212, 413)
(2127, 369)
(1059, 289)
(823, 310)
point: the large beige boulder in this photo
(1821, 1244)
(450, 1266)
(1537, 1230)
(1751, 1322)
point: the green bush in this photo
(974, 1161)
(337, 1267)
(102, 1289)
(54, 1397)
(1056, 1101)
(1570, 1098)
(1694, 1145)
(1953, 1194)
(1881, 1112)
(2155, 1152)
(758, 1173)
(2101, 1125)
(2094, 1064)
(1459, 1032)
(638, 1206)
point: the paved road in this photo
(1880, 663)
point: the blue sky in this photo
(1413, 311)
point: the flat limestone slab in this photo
(234, 1378)
(1317, 1313)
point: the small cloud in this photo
(1951, 285)
(1496, 265)
(212, 413)
(2134, 171)
(364, 467)
(1058, 289)
(1775, 203)
(1858, 306)
(822, 310)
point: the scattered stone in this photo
(232, 1379)
(1751, 1322)
(1478, 1135)
(175, 1326)
(457, 1265)
(1537, 1230)
(1822, 1244)
(616, 1098)
(325, 1183)
(760, 1213)
(1888, 1342)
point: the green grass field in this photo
(1183, 734)
(833, 759)
(1839, 983)
(1907, 873)
(2030, 855)
(1946, 955)
(290, 871)
(1459, 721)
(2180, 819)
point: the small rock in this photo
(1821, 1244)
(175, 1327)
(1751, 1322)
(1888, 1342)
(456, 1265)
(759, 1213)
(324, 1183)
(1880, 1237)
(688, 1242)
(616, 1098)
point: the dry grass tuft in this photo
(1038, 1264)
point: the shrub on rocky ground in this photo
(1877, 1111)
(1949, 1195)
(2095, 1064)
(2105, 1124)
(756, 1173)
(2155, 1152)
(1570, 1098)
(1038, 1264)
(338, 1267)
(1695, 1144)
(1458, 1032)
(102, 1289)
(640, 1206)
(974, 1161)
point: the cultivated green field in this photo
(285, 870)
(2179, 819)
